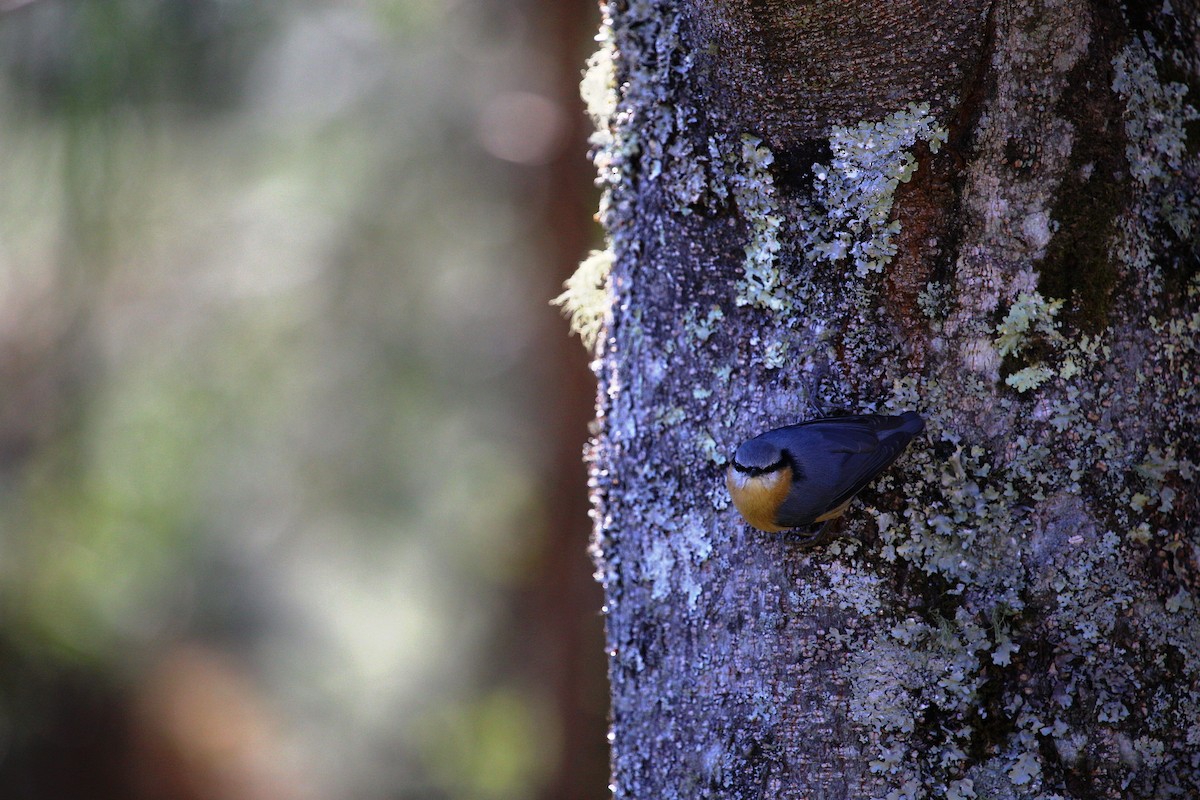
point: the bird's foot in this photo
(807, 538)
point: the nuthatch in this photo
(803, 474)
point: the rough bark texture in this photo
(787, 70)
(992, 221)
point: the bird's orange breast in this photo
(758, 497)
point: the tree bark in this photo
(983, 211)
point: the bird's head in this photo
(759, 479)
(758, 456)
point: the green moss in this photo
(585, 299)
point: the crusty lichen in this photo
(1031, 319)
(977, 504)
(1156, 120)
(854, 193)
(754, 190)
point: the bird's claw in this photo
(805, 540)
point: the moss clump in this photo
(585, 299)
(1078, 264)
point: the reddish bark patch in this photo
(925, 210)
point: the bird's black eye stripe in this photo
(756, 471)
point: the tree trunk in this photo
(982, 211)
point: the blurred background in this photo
(291, 500)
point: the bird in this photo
(804, 474)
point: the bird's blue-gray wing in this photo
(838, 458)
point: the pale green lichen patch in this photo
(775, 354)
(702, 328)
(1028, 378)
(844, 584)
(753, 187)
(933, 301)
(848, 216)
(844, 218)
(710, 450)
(920, 672)
(1032, 321)
(676, 552)
(1031, 314)
(658, 567)
(854, 193)
(1156, 118)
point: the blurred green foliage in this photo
(265, 340)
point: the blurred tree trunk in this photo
(985, 211)
(562, 606)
